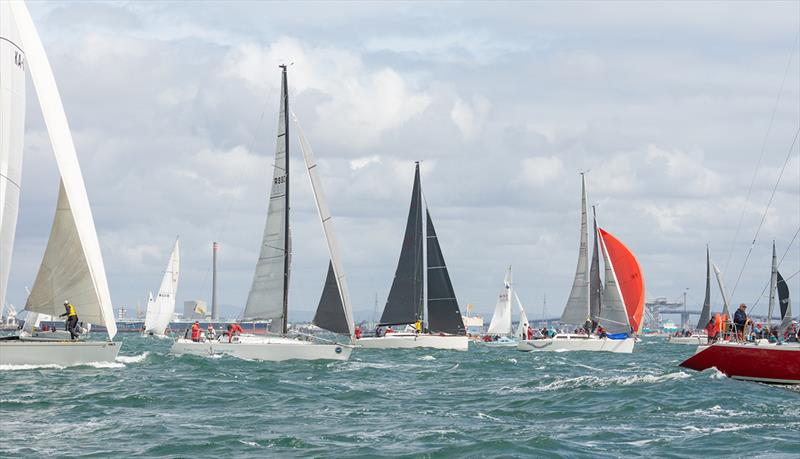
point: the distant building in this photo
(195, 309)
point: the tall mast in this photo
(214, 310)
(773, 286)
(287, 249)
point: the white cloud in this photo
(360, 163)
(542, 170)
(470, 117)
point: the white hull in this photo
(271, 349)
(411, 341)
(694, 340)
(502, 342)
(63, 353)
(562, 343)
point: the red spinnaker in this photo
(629, 277)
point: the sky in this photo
(683, 114)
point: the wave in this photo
(103, 364)
(427, 357)
(133, 358)
(598, 381)
(25, 366)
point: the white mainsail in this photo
(613, 315)
(72, 268)
(12, 130)
(327, 226)
(723, 293)
(522, 328)
(576, 310)
(501, 319)
(164, 305)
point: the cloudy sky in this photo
(676, 109)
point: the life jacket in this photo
(71, 311)
(195, 331)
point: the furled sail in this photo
(72, 267)
(268, 297)
(705, 314)
(501, 319)
(576, 310)
(725, 301)
(164, 305)
(628, 274)
(785, 303)
(595, 284)
(614, 317)
(443, 312)
(404, 304)
(522, 328)
(334, 311)
(773, 286)
(12, 131)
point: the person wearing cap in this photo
(210, 333)
(740, 320)
(72, 320)
(196, 331)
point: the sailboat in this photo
(72, 266)
(407, 297)
(501, 326)
(159, 312)
(760, 360)
(618, 306)
(268, 299)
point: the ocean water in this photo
(487, 402)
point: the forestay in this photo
(576, 310)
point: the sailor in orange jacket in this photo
(196, 331)
(235, 328)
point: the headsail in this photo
(614, 316)
(443, 312)
(725, 301)
(773, 286)
(501, 319)
(595, 284)
(629, 278)
(268, 297)
(12, 131)
(164, 305)
(785, 303)
(576, 310)
(334, 311)
(522, 328)
(85, 273)
(705, 314)
(404, 304)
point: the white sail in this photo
(151, 308)
(327, 226)
(613, 315)
(522, 328)
(501, 319)
(72, 268)
(725, 300)
(12, 130)
(164, 305)
(576, 310)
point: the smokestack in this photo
(214, 310)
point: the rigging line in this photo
(761, 295)
(766, 210)
(761, 155)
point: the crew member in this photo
(740, 320)
(711, 330)
(196, 331)
(72, 320)
(210, 333)
(235, 330)
(418, 327)
(601, 332)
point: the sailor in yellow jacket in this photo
(418, 327)
(72, 320)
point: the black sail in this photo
(404, 304)
(330, 311)
(443, 313)
(595, 284)
(785, 303)
(705, 314)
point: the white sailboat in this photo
(619, 313)
(268, 297)
(160, 311)
(500, 326)
(408, 297)
(72, 267)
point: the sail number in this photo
(19, 60)
(279, 180)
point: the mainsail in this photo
(334, 311)
(501, 319)
(725, 301)
(443, 312)
(164, 305)
(268, 297)
(72, 268)
(576, 310)
(614, 317)
(404, 304)
(628, 274)
(705, 314)
(785, 303)
(12, 130)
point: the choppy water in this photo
(482, 403)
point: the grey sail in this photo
(443, 313)
(705, 314)
(268, 297)
(576, 310)
(404, 304)
(785, 303)
(773, 286)
(595, 284)
(329, 311)
(614, 317)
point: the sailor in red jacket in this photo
(235, 328)
(196, 331)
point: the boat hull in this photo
(561, 343)
(412, 341)
(764, 362)
(62, 353)
(502, 342)
(694, 340)
(266, 349)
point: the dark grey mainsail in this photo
(329, 311)
(405, 304)
(443, 312)
(595, 284)
(785, 304)
(705, 314)
(269, 293)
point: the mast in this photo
(773, 286)
(576, 311)
(286, 236)
(214, 311)
(595, 284)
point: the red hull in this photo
(765, 362)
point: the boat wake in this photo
(133, 358)
(598, 381)
(11, 367)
